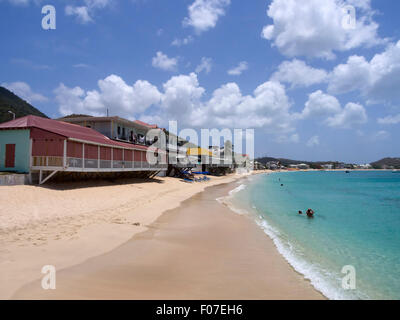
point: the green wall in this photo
(22, 144)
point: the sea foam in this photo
(326, 282)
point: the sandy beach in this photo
(116, 243)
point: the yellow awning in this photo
(199, 152)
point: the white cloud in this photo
(205, 65)
(22, 2)
(268, 108)
(291, 138)
(238, 70)
(352, 114)
(182, 99)
(328, 107)
(84, 14)
(378, 80)
(204, 14)
(113, 93)
(97, 3)
(19, 2)
(30, 64)
(395, 119)
(320, 104)
(299, 74)
(161, 61)
(81, 65)
(381, 135)
(81, 13)
(24, 91)
(353, 75)
(314, 28)
(182, 42)
(313, 142)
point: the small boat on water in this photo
(347, 171)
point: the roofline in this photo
(33, 127)
(16, 128)
(104, 119)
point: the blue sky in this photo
(311, 89)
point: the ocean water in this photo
(357, 223)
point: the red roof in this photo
(65, 129)
(151, 126)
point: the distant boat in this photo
(347, 171)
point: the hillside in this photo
(285, 162)
(288, 162)
(9, 101)
(387, 163)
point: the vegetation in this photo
(10, 102)
(288, 162)
(387, 163)
(75, 116)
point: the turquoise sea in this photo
(357, 223)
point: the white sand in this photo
(65, 226)
(200, 250)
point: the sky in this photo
(313, 80)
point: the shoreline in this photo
(206, 228)
(48, 226)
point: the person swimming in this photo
(310, 213)
(300, 212)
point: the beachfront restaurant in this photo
(117, 128)
(44, 148)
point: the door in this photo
(10, 155)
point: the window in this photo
(119, 130)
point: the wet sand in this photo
(64, 224)
(200, 250)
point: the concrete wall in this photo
(22, 145)
(104, 127)
(128, 130)
(14, 179)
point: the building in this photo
(118, 129)
(328, 166)
(44, 147)
(177, 151)
(273, 165)
(301, 166)
(258, 166)
(200, 157)
(365, 166)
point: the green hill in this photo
(10, 102)
(387, 163)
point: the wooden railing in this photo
(47, 162)
(58, 162)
